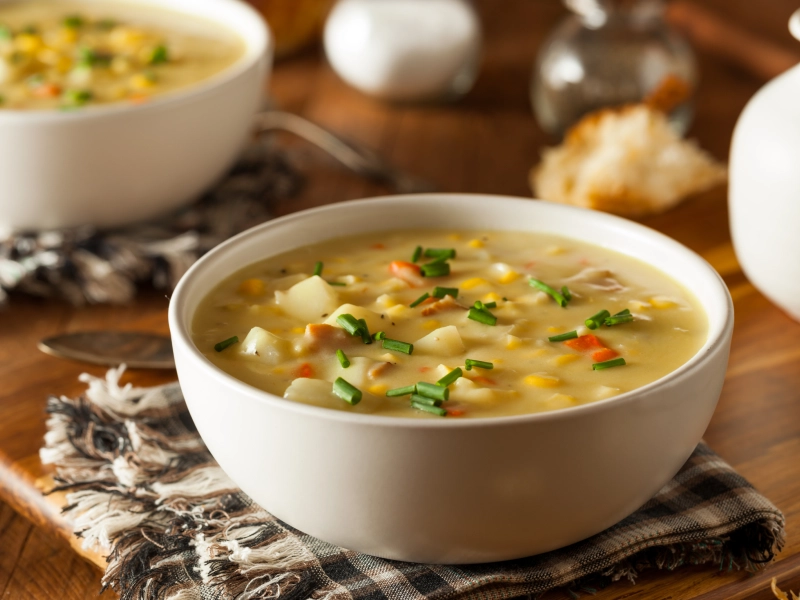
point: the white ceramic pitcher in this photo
(764, 192)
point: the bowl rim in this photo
(717, 339)
(256, 46)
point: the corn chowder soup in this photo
(449, 324)
(68, 55)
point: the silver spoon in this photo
(111, 348)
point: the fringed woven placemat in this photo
(144, 489)
(84, 265)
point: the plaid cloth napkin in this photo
(144, 488)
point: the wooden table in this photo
(485, 143)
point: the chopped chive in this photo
(106, 24)
(416, 398)
(219, 347)
(159, 55)
(490, 305)
(570, 335)
(543, 287)
(73, 21)
(417, 254)
(441, 292)
(318, 268)
(403, 391)
(431, 390)
(566, 293)
(420, 300)
(451, 377)
(398, 346)
(343, 360)
(434, 410)
(614, 362)
(349, 323)
(347, 392)
(440, 253)
(505, 299)
(618, 320)
(481, 316)
(76, 98)
(337, 283)
(480, 364)
(364, 332)
(5, 33)
(621, 313)
(435, 269)
(596, 320)
(378, 336)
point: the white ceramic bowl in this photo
(447, 491)
(121, 163)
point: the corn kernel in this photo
(508, 277)
(662, 302)
(472, 283)
(279, 370)
(399, 311)
(454, 237)
(141, 82)
(378, 389)
(639, 305)
(432, 324)
(476, 243)
(553, 329)
(554, 250)
(542, 381)
(492, 297)
(513, 342)
(298, 330)
(564, 359)
(29, 43)
(68, 35)
(252, 287)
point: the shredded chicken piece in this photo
(378, 370)
(445, 303)
(599, 279)
(321, 336)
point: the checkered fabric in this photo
(123, 456)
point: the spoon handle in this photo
(111, 348)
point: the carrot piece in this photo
(47, 90)
(408, 272)
(586, 342)
(604, 355)
(424, 369)
(454, 412)
(378, 246)
(305, 370)
(484, 380)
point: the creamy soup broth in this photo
(284, 321)
(66, 55)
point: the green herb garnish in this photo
(614, 362)
(440, 253)
(343, 360)
(431, 390)
(596, 320)
(220, 346)
(73, 21)
(398, 346)
(378, 336)
(434, 410)
(543, 287)
(482, 316)
(349, 323)
(618, 320)
(435, 269)
(419, 399)
(159, 55)
(5, 32)
(365, 335)
(420, 300)
(480, 364)
(337, 283)
(451, 377)
(318, 268)
(75, 98)
(566, 293)
(403, 391)
(349, 393)
(417, 254)
(570, 335)
(441, 292)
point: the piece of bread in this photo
(628, 161)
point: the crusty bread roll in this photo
(627, 161)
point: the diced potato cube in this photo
(444, 341)
(308, 300)
(373, 319)
(357, 373)
(542, 381)
(560, 401)
(262, 346)
(311, 391)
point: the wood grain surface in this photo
(485, 143)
